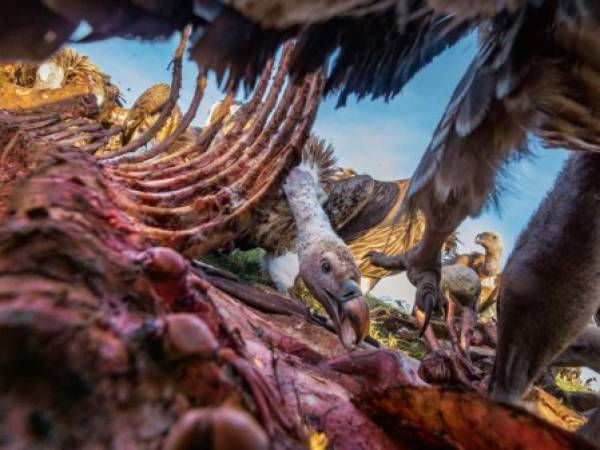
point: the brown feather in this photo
(145, 112)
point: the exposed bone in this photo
(181, 127)
(166, 111)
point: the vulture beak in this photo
(349, 312)
(478, 239)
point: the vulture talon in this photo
(427, 294)
(429, 304)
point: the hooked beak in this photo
(349, 312)
(478, 239)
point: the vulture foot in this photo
(423, 274)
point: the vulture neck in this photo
(491, 263)
(303, 190)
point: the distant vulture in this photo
(487, 266)
(146, 110)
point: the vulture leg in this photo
(422, 263)
(451, 322)
(550, 288)
(460, 346)
(467, 330)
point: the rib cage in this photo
(197, 197)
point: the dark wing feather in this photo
(235, 48)
(347, 197)
(485, 121)
(375, 56)
(475, 104)
(383, 199)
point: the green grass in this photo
(570, 380)
(409, 343)
(246, 265)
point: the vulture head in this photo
(69, 67)
(328, 269)
(327, 266)
(491, 241)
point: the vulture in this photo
(536, 72)
(146, 111)
(361, 210)
(487, 266)
(71, 69)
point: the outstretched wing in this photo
(379, 49)
(484, 122)
(524, 78)
(380, 44)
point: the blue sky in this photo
(385, 140)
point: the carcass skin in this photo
(553, 269)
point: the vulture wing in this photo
(346, 198)
(380, 44)
(383, 198)
(378, 50)
(524, 78)
(485, 121)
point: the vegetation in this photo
(246, 265)
(569, 379)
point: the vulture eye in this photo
(494, 237)
(325, 267)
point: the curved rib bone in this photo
(198, 204)
(170, 164)
(234, 142)
(165, 113)
(181, 127)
